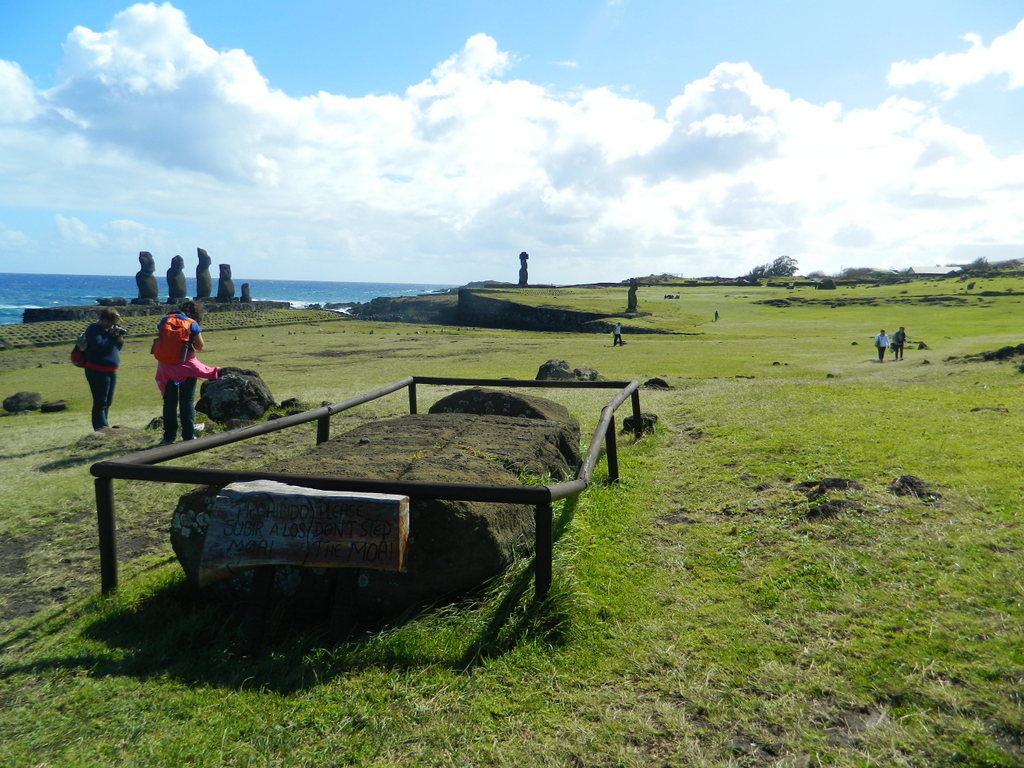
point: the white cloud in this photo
(18, 103)
(175, 145)
(954, 71)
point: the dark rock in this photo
(453, 546)
(23, 401)
(585, 373)
(990, 408)
(657, 383)
(157, 423)
(853, 343)
(555, 370)
(204, 283)
(485, 402)
(145, 279)
(631, 297)
(237, 394)
(225, 285)
(54, 407)
(112, 302)
(908, 485)
(290, 402)
(647, 422)
(830, 376)
(176, 281)
(922, 345)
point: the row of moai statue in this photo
(145, 279)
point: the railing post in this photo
(323, 429)
(612, 451)
(638, 427)
(107, 533)
(412, 397)
(543, 553)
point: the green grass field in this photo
(706, 610)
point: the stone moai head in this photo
(225, 271)
(204, 258)
(177, 263)
(146, 262)
(523, 258)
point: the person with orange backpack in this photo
(178, 339)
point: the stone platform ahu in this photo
(443, 548)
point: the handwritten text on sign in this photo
(268, 523)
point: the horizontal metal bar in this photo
(514, 494)
(525, 383)
(166, 452)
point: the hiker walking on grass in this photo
(617, 335)
(898, 340)
(179, 337)
(101, 344)
(881, 342)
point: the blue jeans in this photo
(101, 384)
(178, 402)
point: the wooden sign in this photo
(268, 523)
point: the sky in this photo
(402, 141)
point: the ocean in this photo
(22, 291)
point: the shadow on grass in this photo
(171, 633)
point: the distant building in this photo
(932, 271)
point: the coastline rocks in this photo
(453, 546)
(23, 401)
(238, 394)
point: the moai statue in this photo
(245, 293)
(631, 297)
(225, 285)
(146, 280)
(176, 281)
(524, 274)
(204, 283)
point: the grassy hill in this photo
(721, 606)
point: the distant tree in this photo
(784, 266)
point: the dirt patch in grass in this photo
(866, 301)
(995, 355)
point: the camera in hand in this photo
(118, 330)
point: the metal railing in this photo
(143, 465)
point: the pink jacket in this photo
(190, 368)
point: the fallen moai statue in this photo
(453, 546)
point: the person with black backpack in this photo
(101, 347)
(178, 339)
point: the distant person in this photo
(881, 342)
(716, 315)
(101, 343)
(898, 340)
(617, 335)
(179, 337)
